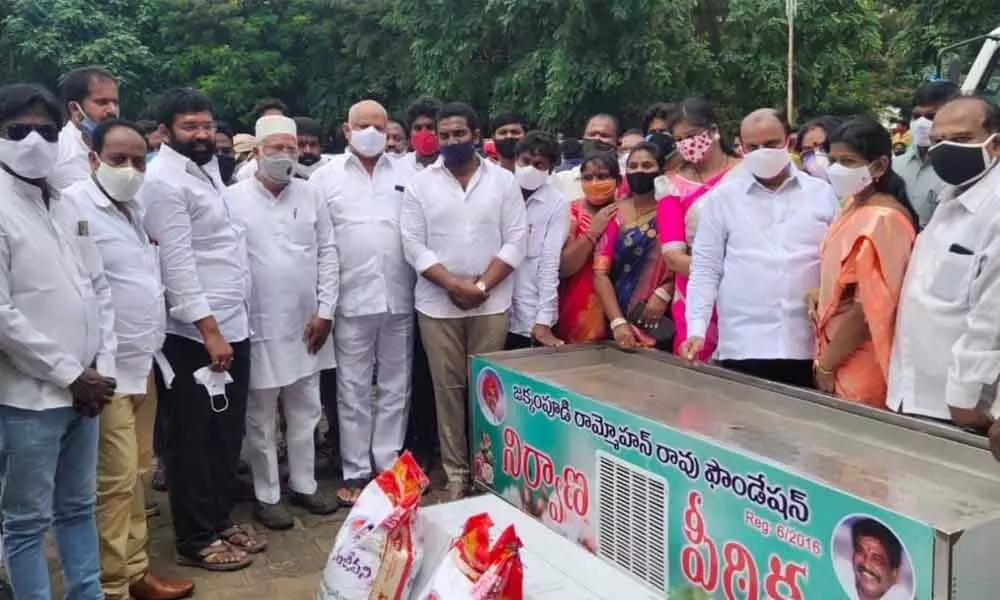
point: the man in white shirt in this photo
(923, 186)
(945, 360)
(423, 133)
(203, 262)
(264, 108)
(293, 266)
(363, 189)
(535, 304)
(57, 363)
(463, 227)
(599, 135)
(756, 255)
(105, 203)
(91, 97)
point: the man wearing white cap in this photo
(363, 190)
(293, 266)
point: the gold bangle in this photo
(819, 369)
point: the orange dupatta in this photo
(868, 247)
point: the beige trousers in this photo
(448, 343)
(124, 454)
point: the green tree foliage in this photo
(557, 61)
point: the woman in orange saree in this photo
(862, 263)
(581, 316)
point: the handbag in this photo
(663, 331)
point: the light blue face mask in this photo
(87, 125)
(150, 156)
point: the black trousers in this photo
(202, 447)
(517, 341)
(328, 397)
(790, 372)
(421, 428)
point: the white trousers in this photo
(372, 427)
(301, 407)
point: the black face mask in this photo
(590, 146)
(199, 151)
(308, 159)
(961, 164)
(641, 183)
(227, 164)
(506, 148)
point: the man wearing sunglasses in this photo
(57, 362)
(91, 97)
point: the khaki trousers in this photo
(448, 343)
(124, 454)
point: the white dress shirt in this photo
(203, 259)
(568, 183)
(463, 230)
(246, 170)
(755, 255)
(55, 304)
(132, 268)
(364, 209)
(73, 163)
(293, 262)
(947, 347)
(536, 281)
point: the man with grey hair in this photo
(363, 190)
(293, 267)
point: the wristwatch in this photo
(481, 286)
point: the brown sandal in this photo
(241, 539)
(217, 556)
(349, 493)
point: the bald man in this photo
(944, 362)
(294, 272)
(756, 256)
(363, 190)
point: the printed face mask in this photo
(694, 149)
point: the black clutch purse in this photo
(663, 332)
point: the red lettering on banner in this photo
(693, 563)
(511, 453)
(739, 578)
(576, 491)
(784, 576)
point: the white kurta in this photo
(294, 270)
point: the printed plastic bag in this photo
(473, 571)
(377, 552)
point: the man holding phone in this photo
(945, 359)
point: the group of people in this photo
(168, 285)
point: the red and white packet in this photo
(377, 552)
(472, 570)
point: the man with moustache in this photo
(91, 97)
(875, 562)
(206, 274)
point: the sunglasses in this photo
(18, 131)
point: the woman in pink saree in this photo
(706, 163)
(862, 263)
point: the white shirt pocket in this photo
(952, 278)
(536, 241)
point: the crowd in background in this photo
(169, 287)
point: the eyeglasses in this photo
(18, 131)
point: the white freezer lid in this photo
(554, 567)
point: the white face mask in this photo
(368, 142)
(530, 178)
(279, 168)
(31, 158)
(920, 131)
(767, 163)
(848, 181)
(121, 183)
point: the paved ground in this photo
(290, 569)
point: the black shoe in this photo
(273, 516)
(315, 503)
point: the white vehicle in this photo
(983, 77)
